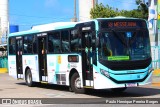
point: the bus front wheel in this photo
(28, 78)
(76, 84)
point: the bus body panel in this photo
(126, 75)
(59, 68)
(102, 82)
(12, 66)
(120, 76)
(148, 80)
(31, 62)
(108, 83)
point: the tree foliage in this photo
(101, 11)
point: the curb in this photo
(156, 84)
(3, 70)
(156, 72)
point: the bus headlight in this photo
(105, 73)
(150, 70)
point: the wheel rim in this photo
(29, 78)
(77, 83)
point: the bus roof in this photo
(59, 25)
(54, 26)
(120, 17)
(46, 27)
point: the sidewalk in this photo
(3, 70)
(156, 80)
(156, 77)
(156, 72)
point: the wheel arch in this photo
(72, 71)
(26, 71)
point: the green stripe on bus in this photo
(111, 58)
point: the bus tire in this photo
(119, 90)
(76, 84)
(28, 78)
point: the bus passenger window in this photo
(28, 44)
(50, 46)
(12, 46)
(75, 40)
(65, 41)
(34, 46)
(54, 42)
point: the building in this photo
(3, 21)
(85, 8)
(3, 33)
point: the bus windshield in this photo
(118, 45)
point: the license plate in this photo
(131, 84)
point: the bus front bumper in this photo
(103, 82)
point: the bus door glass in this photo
(87, 58)
(19, 57)
(42, 51)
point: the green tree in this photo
(101, 11)
(142, 8)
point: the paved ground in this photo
(12, 88)
(156, 80)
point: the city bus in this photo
(104, 53)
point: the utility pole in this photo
(74, 19)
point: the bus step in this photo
(19, 78)
(88, 86)
(44, 82)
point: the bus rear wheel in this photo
(28, 78)
(76, 84)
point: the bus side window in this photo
(54, 42)
(75, 40)
(34, 45)
(65, 41)
(50, 46)
(10, 49)
(29, 48)
(28, 44)
(12, 46)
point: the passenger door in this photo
(42, 51)
(87, 62)
(19, 45)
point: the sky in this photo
(27, 13)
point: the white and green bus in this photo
(104, 53)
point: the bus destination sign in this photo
(123, 24)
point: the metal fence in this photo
(155, 57)
(3, 62)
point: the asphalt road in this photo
(12, 88)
